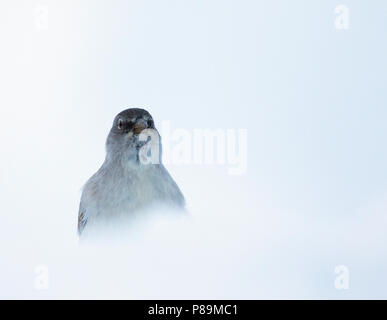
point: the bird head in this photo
(129, 133)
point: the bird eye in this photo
(150, 123)
(120, 124)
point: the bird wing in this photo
(82, 220)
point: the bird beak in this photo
(139, 126)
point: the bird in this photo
(132, 177)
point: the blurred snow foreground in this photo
(258, 255)
(141, 225)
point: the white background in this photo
(313, 99)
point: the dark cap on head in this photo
(133, 119)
